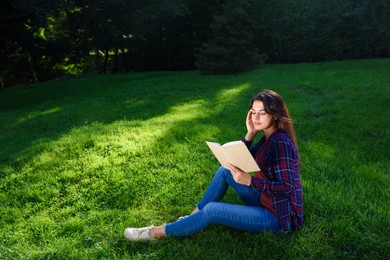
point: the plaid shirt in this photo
(283, 183)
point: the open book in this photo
(235, 153)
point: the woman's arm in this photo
(240, 176)
(250, 135)
(284, 166)
(251, 130)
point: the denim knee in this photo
(210, 209)
(225, 174)
(222, 170)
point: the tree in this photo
(24, 53)
(230, 47)
(42, 40)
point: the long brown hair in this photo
(276, 107)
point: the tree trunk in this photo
(125, 63)
(105, 62)
(97, 61)
(115, 68)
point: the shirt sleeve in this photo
(247, 143)
(252, 149)
(281, 169)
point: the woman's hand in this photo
(239, 176)
(250, 126)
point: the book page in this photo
(238, 154)
(235, 153)
(218, 152)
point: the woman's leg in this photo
(219, 185)
(250, 218)
(245, 218)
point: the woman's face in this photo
(262, 121)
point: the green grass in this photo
(84, 157)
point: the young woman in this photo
(273, 196)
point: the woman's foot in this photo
(145, 233)
(193, 212)
(182, 217)
(138, 234)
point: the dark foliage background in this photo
(42, 40)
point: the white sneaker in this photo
(138, 234)
(183, 217)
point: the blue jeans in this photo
(250, 217)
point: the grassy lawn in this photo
(82, 158)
